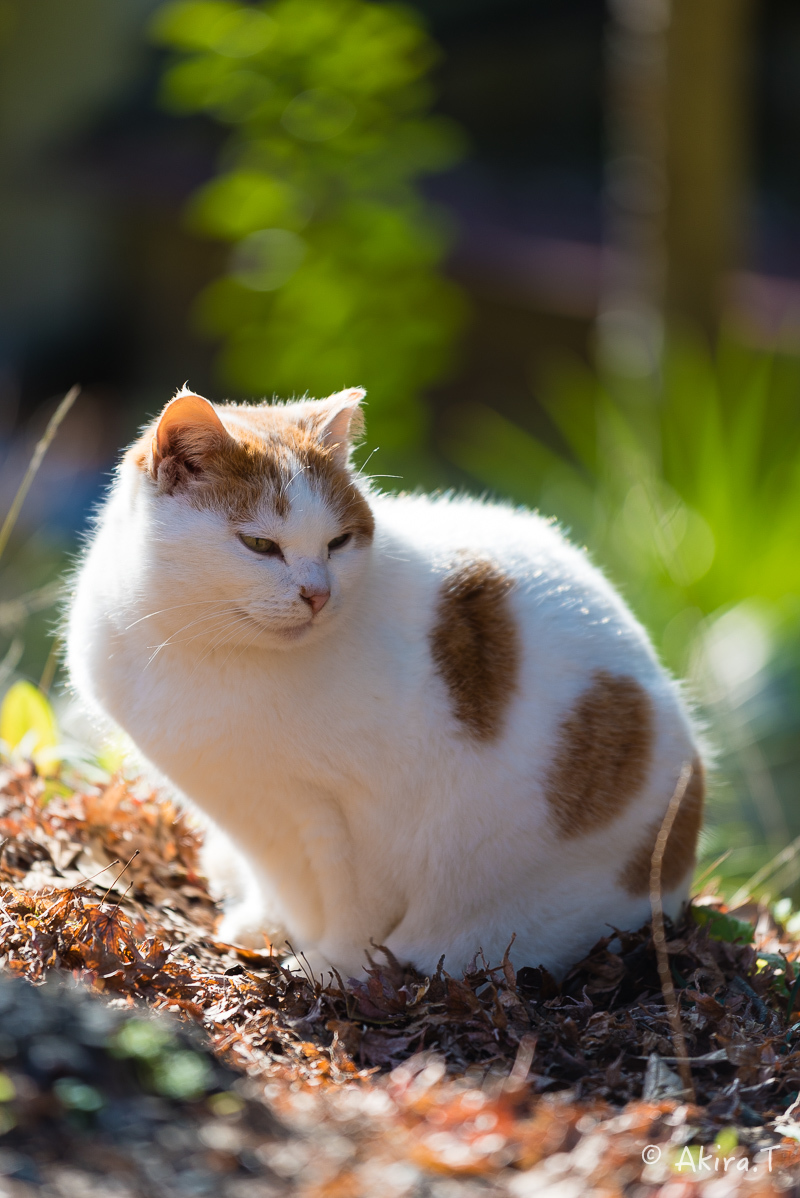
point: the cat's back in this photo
(493, 559)
(530, 645)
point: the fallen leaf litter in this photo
(499, 1082)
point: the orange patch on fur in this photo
(679, 855)
(475, 646)
(603, 755)
(268, 446)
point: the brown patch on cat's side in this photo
(603, 755)
(475, 645)
(679, 855)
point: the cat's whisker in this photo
(172, 641)
(362, 471)
(300, 470)
(244, 647)
(173, 607)
(171, 638)
(200, 620)
(219, 635)
(215, 634)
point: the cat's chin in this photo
(271, 636)
(295, 632)
(281, 636)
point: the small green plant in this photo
(165, 1067)
(721, 926)
(333, 275)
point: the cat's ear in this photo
(188, 431)
(341, 421)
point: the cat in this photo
(428, 723)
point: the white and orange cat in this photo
(427, 723)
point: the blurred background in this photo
(557, 240)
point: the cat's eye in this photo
(261, 545)
(337, 542)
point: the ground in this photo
(498, 1082)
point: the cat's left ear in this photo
(341, 421)
(189, 431)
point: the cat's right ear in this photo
(188, 431)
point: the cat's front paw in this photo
(249, 929)
(311, 964)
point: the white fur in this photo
(329, 754)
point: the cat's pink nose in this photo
(315, 599)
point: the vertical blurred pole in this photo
(676, 130)
(709, 130)
(630, 317)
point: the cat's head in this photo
(255, 515)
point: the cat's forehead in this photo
(275, 463)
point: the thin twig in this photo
(92, 877)
(42, 446)
(108, 917)
(659, 937)
(119, 875)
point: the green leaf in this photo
(244, 202)
(723, 927)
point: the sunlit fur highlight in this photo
(471, 739)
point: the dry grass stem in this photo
(14, 612)
(780, 859)
(706, 874)
(42, 446)
(659, 936)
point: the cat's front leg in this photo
(251, 912)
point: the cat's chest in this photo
(230, 725)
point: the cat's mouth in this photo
(293, 632)
(288, 632)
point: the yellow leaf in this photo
(27, 720)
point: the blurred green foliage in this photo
(686, 489)
(333, 274)
(723, 927)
